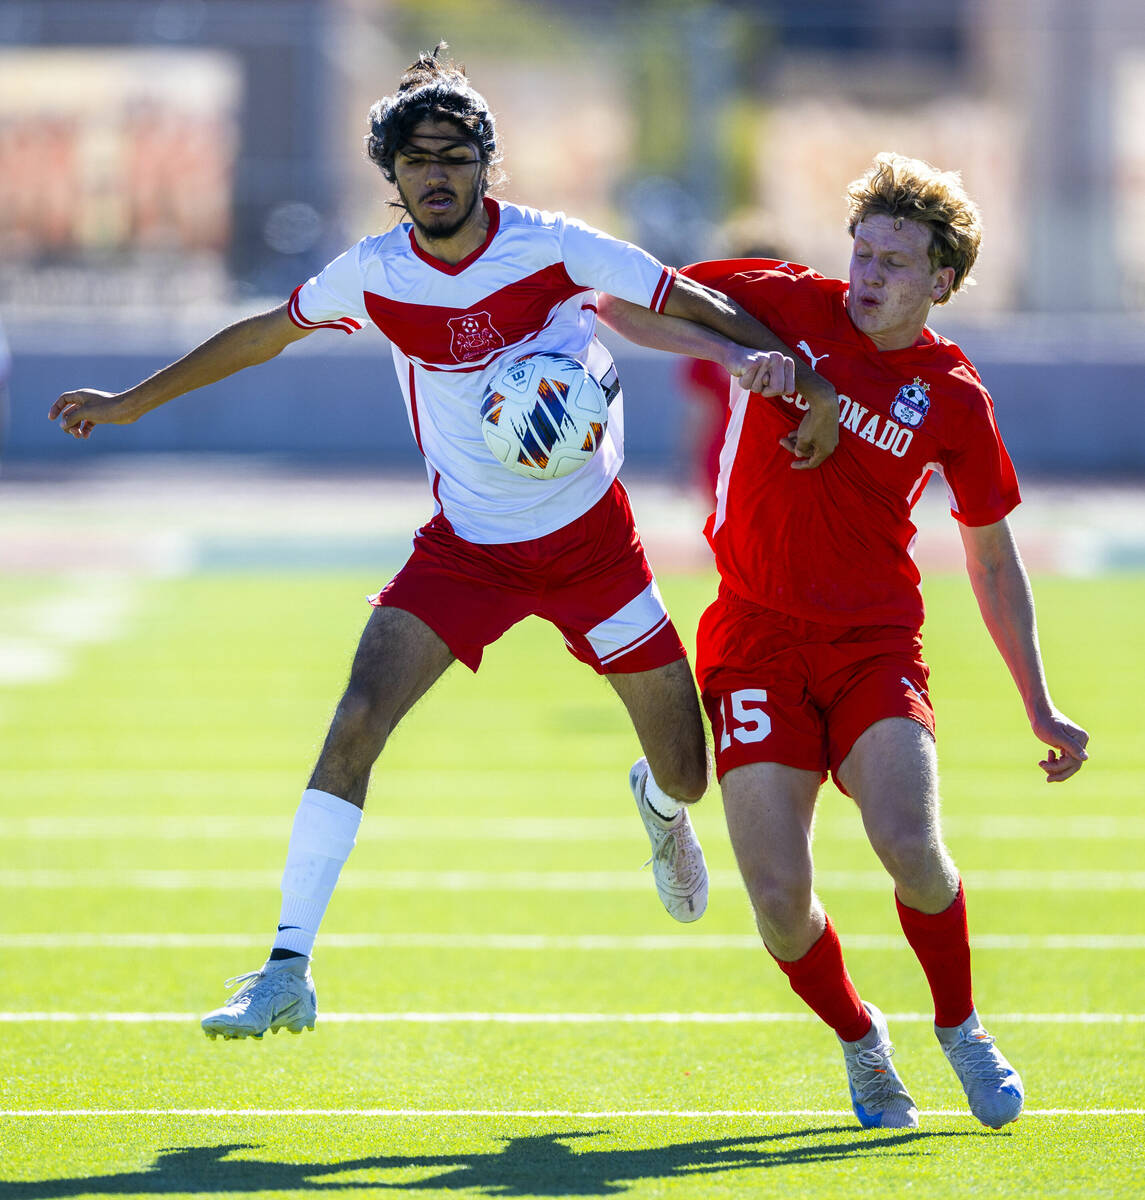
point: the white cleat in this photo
(878, 1096)
(677, 860)
(274, 997)
(993, 1088)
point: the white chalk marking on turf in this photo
(565, 1018)
(41, 635)
(224, 827)
(538, 942)
(1031, 881)
(23, 660)
(220, 827)
(539, 1113)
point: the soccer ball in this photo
(543, 415)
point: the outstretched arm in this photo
(1007, 604)
(702, 323)
(243, 344)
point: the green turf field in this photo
(505, 1009)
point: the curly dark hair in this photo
(436, 89)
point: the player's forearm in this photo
(673, 335)
(246, 343)
(713, 309)
(1006, 602)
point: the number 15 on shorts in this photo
(746, 721)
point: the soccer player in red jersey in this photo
(810, 659)
(462, 288)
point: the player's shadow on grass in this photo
(542, 1165)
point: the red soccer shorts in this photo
(780, 689)
(590, 579)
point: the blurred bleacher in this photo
(169, 165)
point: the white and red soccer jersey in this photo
(833, 544)
(529, 287)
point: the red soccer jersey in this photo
(833, 544)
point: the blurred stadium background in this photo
(168, 165)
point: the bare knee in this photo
(916, 860)
(665, 713)
(684, 772)
(769, 809)
(362, 719)
(784, 905)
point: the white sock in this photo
(659, 800)
(323, 835)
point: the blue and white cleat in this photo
(878, 1096)
(993, 1088)
(678, 867)
(277, 996)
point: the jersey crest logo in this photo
(473, 335)
(911, 404)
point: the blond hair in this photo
(910, 189)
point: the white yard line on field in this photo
(222, 827)
(535, 881)
(564, 1018)
(530, 1113)
(590, 942)
(40, 637)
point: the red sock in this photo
(942, 945)
(820, 979)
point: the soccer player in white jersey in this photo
(466, 283)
